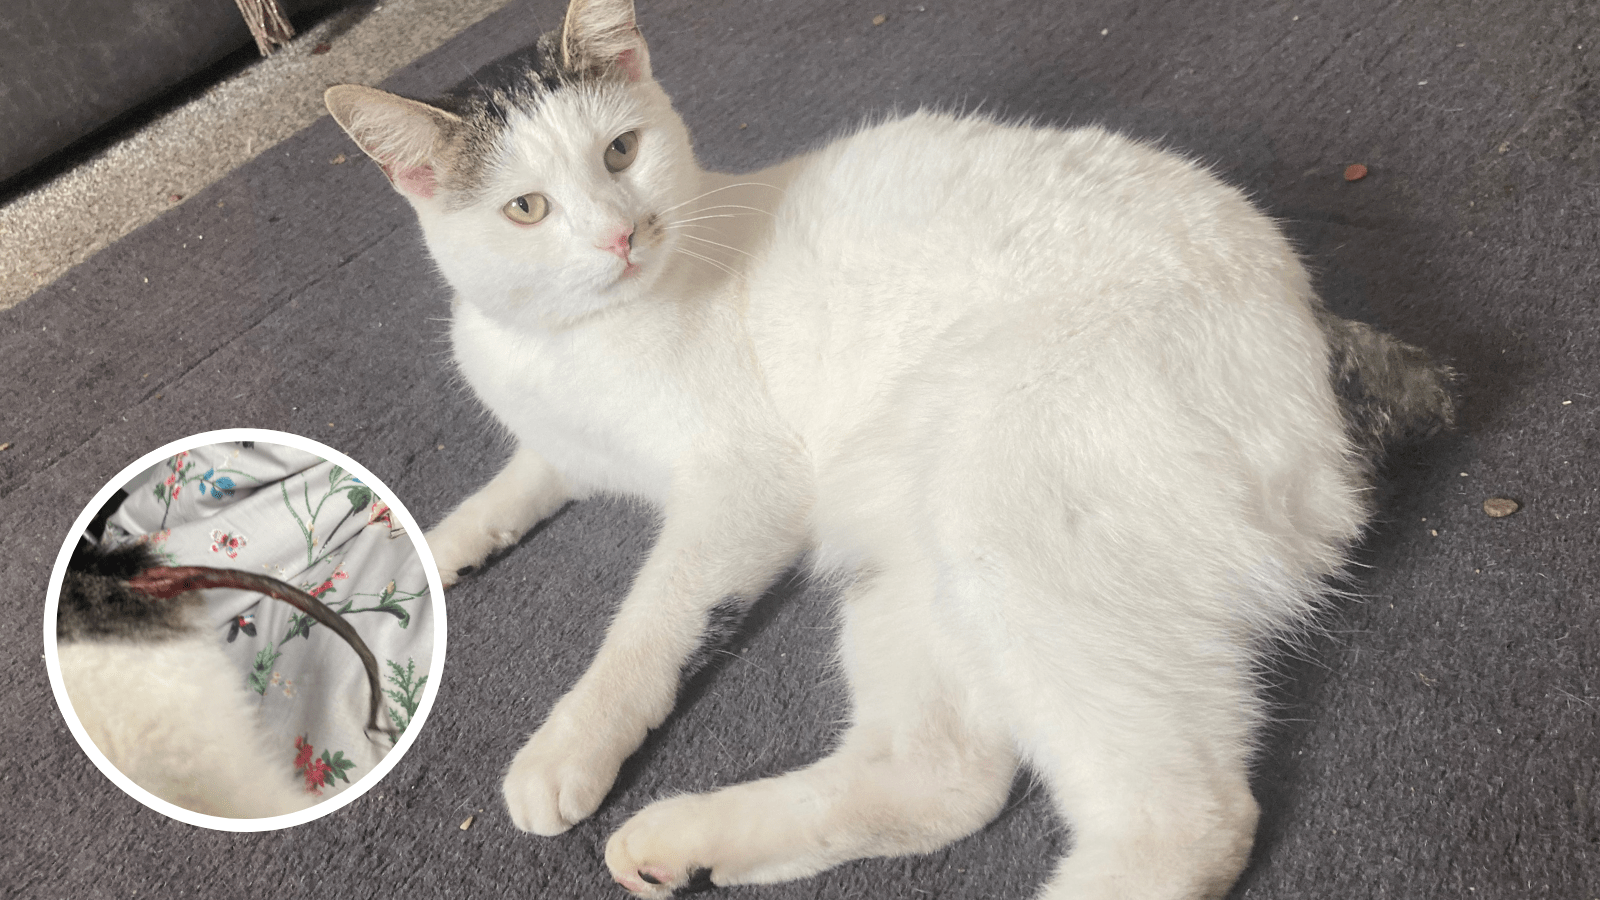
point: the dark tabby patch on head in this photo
(485, 102)
(96, 602)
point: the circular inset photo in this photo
(244, 630)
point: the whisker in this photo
(726, 187)
(713, 216)
(707, 260)
(702, 240)
(713, 261)
(735, 206)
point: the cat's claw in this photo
(456, 548)
(448, 577)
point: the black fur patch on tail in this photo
(97, 603)
(722, 623)
(1390, 392)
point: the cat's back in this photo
(939, 248)
(942, 192)
(940, 293)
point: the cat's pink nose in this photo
(622, 243)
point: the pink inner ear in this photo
(416, 180)
(629, 61)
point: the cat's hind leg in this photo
(920, 766)
(1157, 793)
(526, 491)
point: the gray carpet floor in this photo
(1437, 738)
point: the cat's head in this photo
(542, 189)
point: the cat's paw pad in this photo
(656, 882)
(556, 782)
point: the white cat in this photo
(1060, 406)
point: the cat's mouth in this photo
(645, 239)
(631, 273)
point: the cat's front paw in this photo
(457, 545)
(754, 833)
(671, 845)
(559, 778)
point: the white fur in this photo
(175, 717)
(1054, 401)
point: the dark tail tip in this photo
(1391, 393)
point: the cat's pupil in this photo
(618, 146)
(522, 203)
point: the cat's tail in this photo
(1390, 392)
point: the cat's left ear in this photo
(602, 37)
(408, 138)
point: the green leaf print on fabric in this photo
(360, 499)
(390, 601)
(299, 626)
(261, 673)
(340, 483)
(407, 692)
(338, 765)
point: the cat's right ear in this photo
(602, 37)
(406, 137)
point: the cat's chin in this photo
(635, 278)
(533, 309)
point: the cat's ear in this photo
(601, 37)
(406, 137)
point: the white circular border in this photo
(221, 823)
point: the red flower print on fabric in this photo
(327, 585)
(223, 542)
(303, 764)
(380, 513)
(320, 771)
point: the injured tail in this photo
(1390, 392)
(125, 593)
(165, 582)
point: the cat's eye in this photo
(527, 209)
(620, 152)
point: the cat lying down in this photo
(157, 695)
(1060, 408)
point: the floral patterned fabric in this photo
(292, 515)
